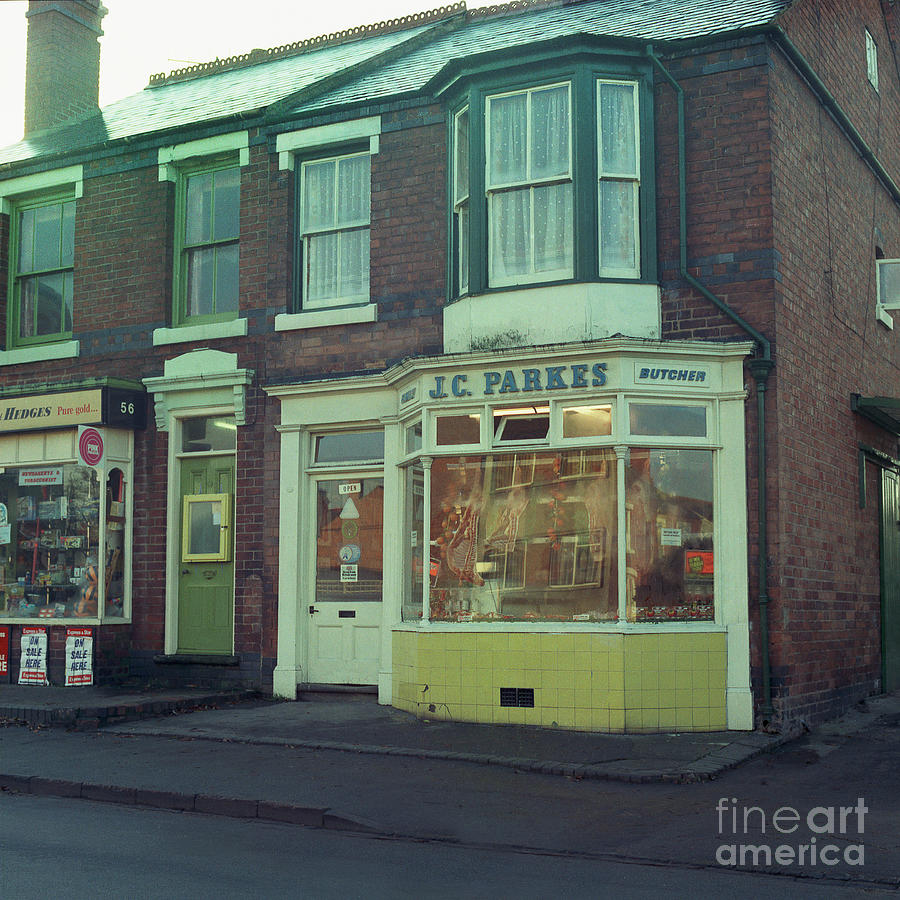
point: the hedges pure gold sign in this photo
(93, 406)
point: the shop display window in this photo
(523, 537)
(669, 535)
(533, 536)
(56, 560)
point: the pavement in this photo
(356, 723)
(335, 760)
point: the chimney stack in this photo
(62, 65)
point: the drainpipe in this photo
(760, 368)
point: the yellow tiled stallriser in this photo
(586, 682)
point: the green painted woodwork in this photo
(206, 589)
(890, 579)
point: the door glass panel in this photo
(205, 527)
(349, 539)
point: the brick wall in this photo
(62, 61)
(825, 610)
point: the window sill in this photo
(210, 332)
(884, 317)
(320, 318)
(40, 353)
(552, 314)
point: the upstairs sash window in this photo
(619, 170)
(529, 185)
(461, 195)
(335, 196)
(44, 255)
(210, 251)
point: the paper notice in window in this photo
(349, 573)
(670, 537)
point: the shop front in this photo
(542, 537)
(66, 478)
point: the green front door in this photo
(206, 566)
(890, 579)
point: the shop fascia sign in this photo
(574, 377)
(116, 407)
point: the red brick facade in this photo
(783, 220)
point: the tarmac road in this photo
(54, 847)
(835, 792)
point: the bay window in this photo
(552, 182)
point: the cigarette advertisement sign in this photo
(4, 653)
(33, 666)
(116, 407)
(79, 656)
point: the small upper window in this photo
(43, 264)
(334, 228)
(350, 446)
(871, 60)
(208, 277)
(525, 424)
(461, 196)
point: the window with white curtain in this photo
(461, 195)
(619, 171)
(334, 204)
(554, 181)
(529, 185)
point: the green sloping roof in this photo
(213, 96)
(645, 20)
(386, 67)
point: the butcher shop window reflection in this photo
(524, 536)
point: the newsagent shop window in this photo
(62, 543)
(534, 534)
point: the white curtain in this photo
(531, 227)
(336, 196)
(618, 177)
